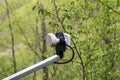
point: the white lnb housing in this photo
(52, 40)
(67, 39)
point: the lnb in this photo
(53, 39)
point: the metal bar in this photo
(33, 68)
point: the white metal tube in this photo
(33, 68)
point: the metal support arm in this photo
(33, 68)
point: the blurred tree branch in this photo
(12, 36)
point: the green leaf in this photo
(34, 7)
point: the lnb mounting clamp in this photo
(61, 42)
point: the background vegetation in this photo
(94, 26)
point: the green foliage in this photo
(94, 28)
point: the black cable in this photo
(73, 54)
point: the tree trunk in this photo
(12, 36)
(43, 28)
